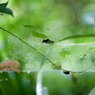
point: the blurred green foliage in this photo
(55, 20)
(61, 84)
(56, 82)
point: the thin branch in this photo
(88, 67)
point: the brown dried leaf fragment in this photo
(74, 78)
(10, 65)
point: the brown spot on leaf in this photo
(10, 65)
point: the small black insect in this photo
(66, 72)
(48, 41)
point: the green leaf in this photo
(4, 4)
(77, 36)
(4, 9)
(36, 34)
(64, 52)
